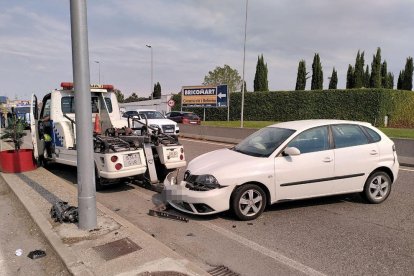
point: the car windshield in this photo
(190, 116)
(152, 114)
(264, 142)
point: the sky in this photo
(189, 38)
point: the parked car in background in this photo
(23, 112)
(288, 161)
(183, 117)
(155, 120)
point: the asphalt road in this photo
(338, 235)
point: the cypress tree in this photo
(367, 76)
(333, 82)
(350, 77)
(384, 75)
(400, 80)
(375, 80)
(157, 91)
(359, 71)
(260, 78)
(407, 82)
(301, 77)
(390, 77)
(317, 74)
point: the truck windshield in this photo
(152, 114)
(263, 142)
(68, 104)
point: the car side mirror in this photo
(291, 151)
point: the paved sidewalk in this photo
(92, 252)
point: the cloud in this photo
(190, 38)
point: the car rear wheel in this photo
(248, 202)
(377, 187)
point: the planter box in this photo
(16, 162)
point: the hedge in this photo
(366, 104)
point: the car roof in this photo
(305, 124)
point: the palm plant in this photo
(14, 131)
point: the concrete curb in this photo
(75, 266)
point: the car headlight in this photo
(155, 126)
(203, 182)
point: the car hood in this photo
(160, 122)
(228, 164)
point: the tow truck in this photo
(119, 152)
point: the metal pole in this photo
(228, 105)
(244, 62)
(83, 113)
(152, 72)
(99, 70)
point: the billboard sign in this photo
(204, 96)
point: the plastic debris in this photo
(19, 252)
(36, 254)
(63, 212)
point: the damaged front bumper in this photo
(196, 202)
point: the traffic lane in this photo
(355, 237)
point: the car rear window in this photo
(373, 134)
(190, 116)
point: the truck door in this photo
(34, 126)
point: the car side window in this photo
(348, 136)
(311, 140)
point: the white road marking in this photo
(263, 250)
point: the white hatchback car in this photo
(288, 161)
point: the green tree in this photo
(350, 77)
(224, 75)
(390, 80)
(245, 87)
(260, 78)
(119, 96)
(384, 75)
(375, 80)
(407, 82)
(333, 82)
(359, 75)
(132, 98)
(367, 76)
(157, 91)
(301, 77)
(317, 73)
(400, 80)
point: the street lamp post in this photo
(99, 70)
(152, 72)
(244, 63)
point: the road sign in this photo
(171, 103)
(204, 96)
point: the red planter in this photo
(15, 162)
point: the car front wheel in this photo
(377, 187)
(248, 202)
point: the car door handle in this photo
(373, 152)
(327, 159)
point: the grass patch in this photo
(391, 132)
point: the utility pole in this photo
(152, 72)
(244, 63)
(83, 113)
